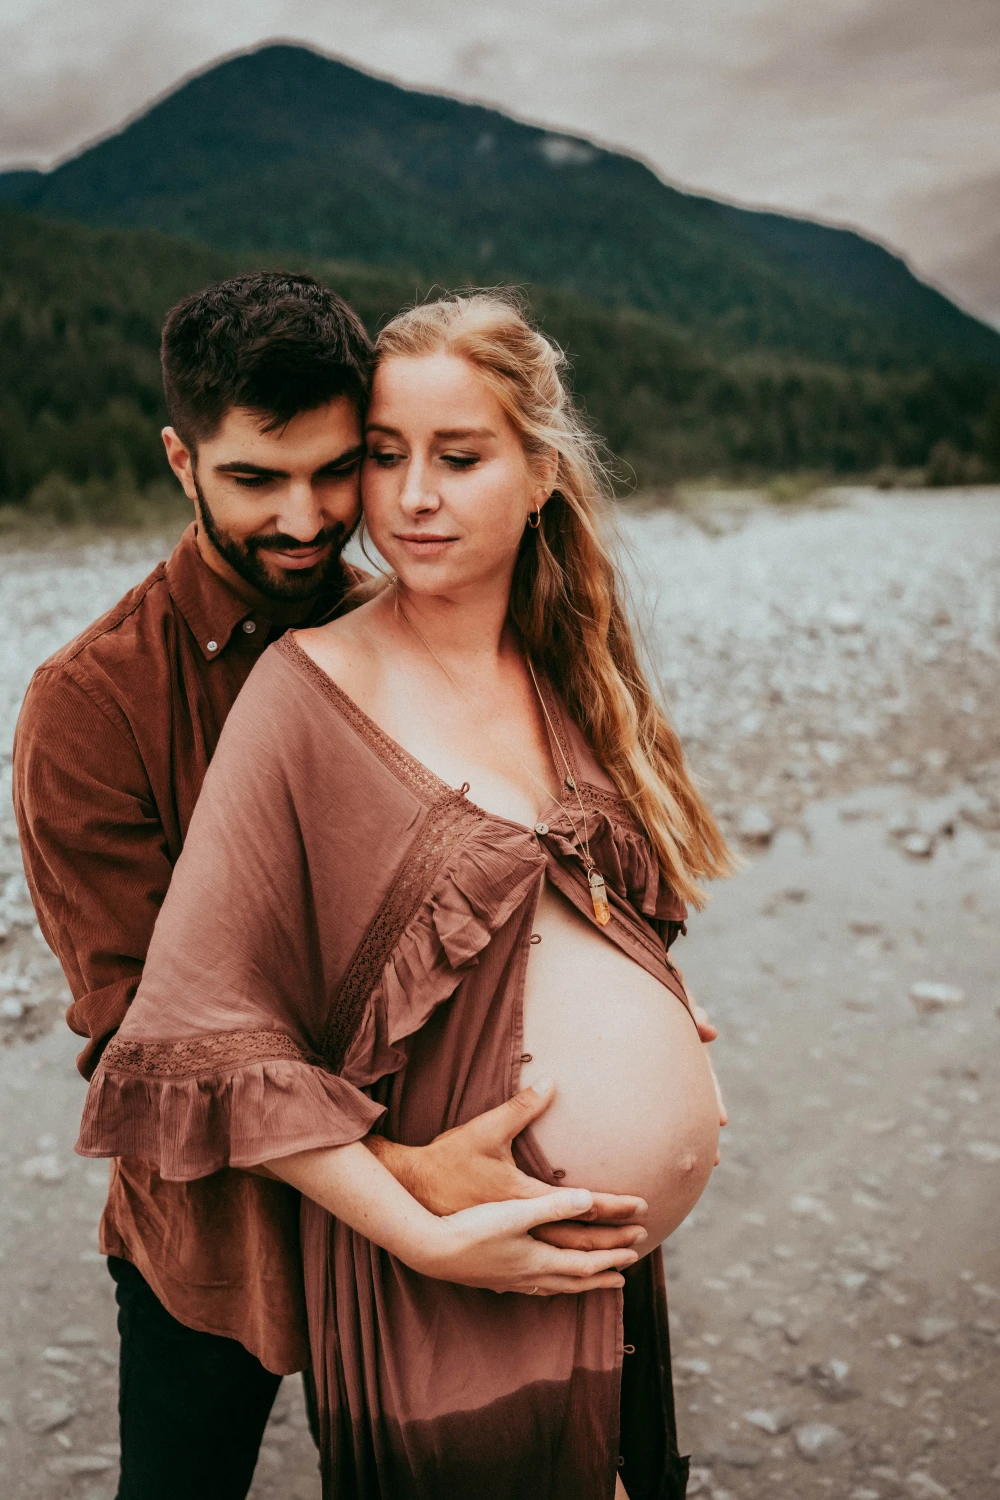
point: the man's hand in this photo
(474, 1164)
(708, 1033)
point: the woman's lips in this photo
(425, 546)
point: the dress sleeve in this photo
(219, 1061)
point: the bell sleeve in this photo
(219, 1061)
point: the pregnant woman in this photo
(442, 851)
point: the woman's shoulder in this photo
(289, 711)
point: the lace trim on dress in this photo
(447, 824)
(216, 1052)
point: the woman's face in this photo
(447, 488)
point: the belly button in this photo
(536, 937)
(688, 1163)
(558, 1173)
(526, 1057)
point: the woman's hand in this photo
(474, 1163)
(492, 1246)
(487, 1246)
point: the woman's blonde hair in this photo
(566, 594)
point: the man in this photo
(265, 376)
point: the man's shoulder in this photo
(115, 638)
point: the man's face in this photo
(277, 506)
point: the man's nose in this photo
(301, 514)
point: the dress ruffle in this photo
(471, 900)
(190, 1127)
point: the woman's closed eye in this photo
(460, 460)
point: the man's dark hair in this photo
(273, 342)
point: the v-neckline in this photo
(415, 771)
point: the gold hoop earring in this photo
(537, 521)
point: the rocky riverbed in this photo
(834, 671)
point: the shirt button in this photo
(541, 829)
(249, 626)
(213, 645)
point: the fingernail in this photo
(641, 1234)
(579, 1198)
(542, 1085)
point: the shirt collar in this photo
(212, 608)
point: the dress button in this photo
(249, 627)
(541, 829)
(213, 646)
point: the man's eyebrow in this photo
(246, 468)
(260, 471)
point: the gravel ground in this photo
(836, 1295)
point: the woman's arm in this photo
(489, 1246)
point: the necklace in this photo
(598, 888)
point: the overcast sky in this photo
(881, 114)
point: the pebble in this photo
(48, 1416)
(927, 995)
(864, 1493)
(817, 1441)
(988, 1151)
(738, 1457)
(844, 618)
(767, 1318)
(833, 1378)
(809, 1206)
(6, 1413)
(78, 1334)
(55, 1355)
(76, 1464)
(918, 845)
(774, 1422)
(45, 1168)
(11, 1009)
(930, 1330)
(922, 1487)
(756, 826)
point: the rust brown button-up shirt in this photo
(112, 745)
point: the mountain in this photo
(81, 405)
(283, 150)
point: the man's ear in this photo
(181, 460)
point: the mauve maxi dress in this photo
(343, 948)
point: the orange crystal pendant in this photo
(599, 896)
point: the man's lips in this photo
(304, 557)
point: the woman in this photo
(446, 841)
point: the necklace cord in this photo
(570, 779)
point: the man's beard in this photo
(245, 557)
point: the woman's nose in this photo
(418, 494)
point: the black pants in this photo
(193, 1406)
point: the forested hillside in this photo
(80, 398)
(282, 150)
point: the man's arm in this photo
(94, 850)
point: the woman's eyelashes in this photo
(387, 458)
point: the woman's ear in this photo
(547, 473)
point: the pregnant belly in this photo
(635, 1108)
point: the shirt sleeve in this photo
(94, 850)
(220, 1060)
